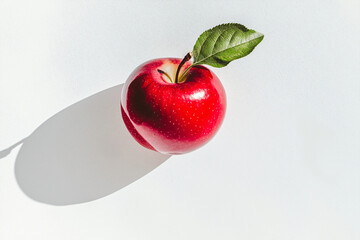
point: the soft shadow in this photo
(82, 153)
(7, 151)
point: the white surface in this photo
(285, 164)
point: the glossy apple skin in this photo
(172, 118)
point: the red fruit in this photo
(168, 117)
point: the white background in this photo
(284, 165)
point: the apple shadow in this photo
(82, 153)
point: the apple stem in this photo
(187, 57)
(167, 75)
(182, 75)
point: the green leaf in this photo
(224, 43)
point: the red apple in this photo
(169, 117)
